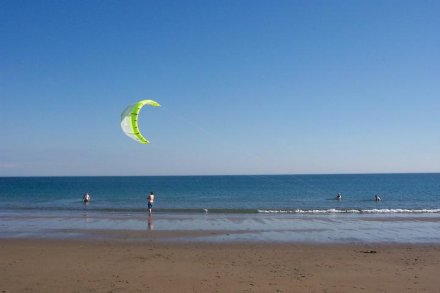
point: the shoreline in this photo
(202, 237)
(73, 265)
(268, 228)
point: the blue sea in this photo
(286, 208)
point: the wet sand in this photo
(31, 265)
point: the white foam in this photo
(401, 211)
(353, 211)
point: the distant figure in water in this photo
(150, 199)
(377, 197)
(86, 197)
(338, 196)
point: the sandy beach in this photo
(30, 265)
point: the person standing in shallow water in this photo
(150, 200)
(86, 197)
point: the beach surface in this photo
(127, 265)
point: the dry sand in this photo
(112, 266)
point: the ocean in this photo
(260, 207)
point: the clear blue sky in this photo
(246, 87)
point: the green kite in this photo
(129, 118)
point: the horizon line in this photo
(207, 175)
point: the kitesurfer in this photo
(150, 200)
(377, 197)
(338, 196)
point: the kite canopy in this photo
(129, 120)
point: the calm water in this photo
(271, 206)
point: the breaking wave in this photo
(352, 211)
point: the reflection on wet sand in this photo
(150, 224)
